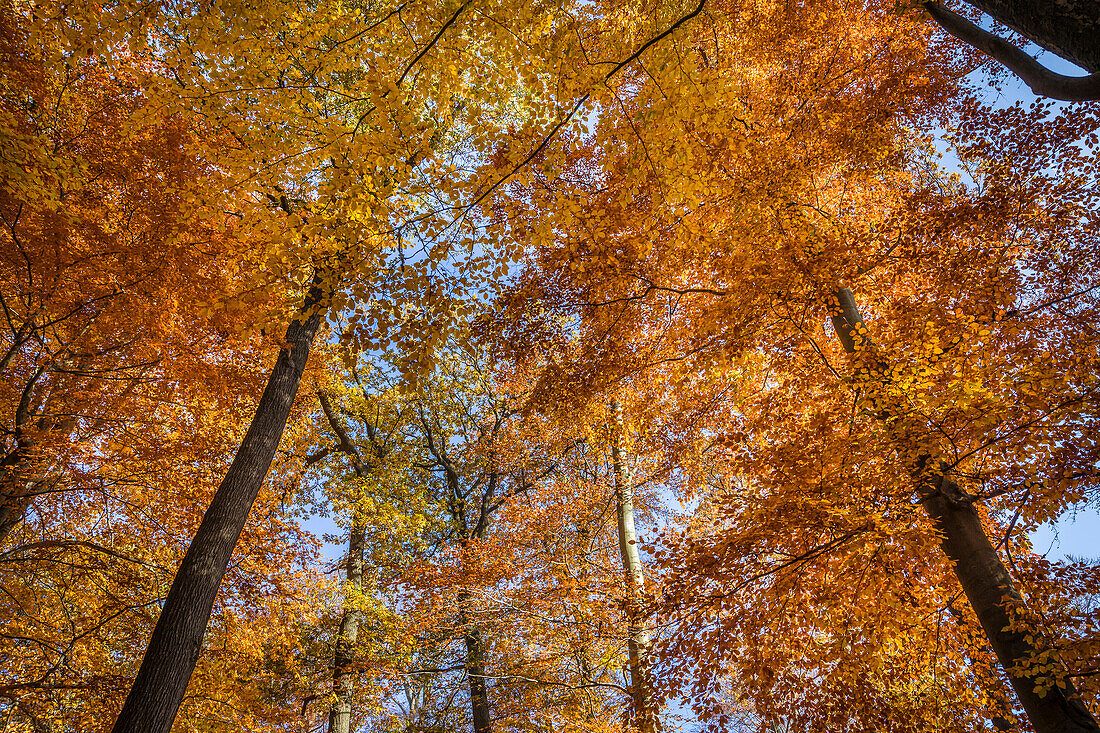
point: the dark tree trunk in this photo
(177, 639)
(21, 475)
(991, 592)
(982, 575)
(471, 530)
(1069, 28)
(13, 506)
(475, 672)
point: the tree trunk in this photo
(21, 478)
(994, 598)
(13, 507)
(982, 575)
(638, 641)
(475, 672)
(343, 657)
(1068, 28)
(177, 639)
(343, 661)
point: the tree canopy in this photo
(515, 365)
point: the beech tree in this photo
(642, 263)
(376, 99)
(983, 576)
(1066, 28)
(118, 395)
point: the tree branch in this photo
(1042, 80)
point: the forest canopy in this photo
(548, 365)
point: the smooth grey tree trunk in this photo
(1068, 28)
(176, 642)
(638, 640)
(343, 657)
(983, 577)
(343, 661)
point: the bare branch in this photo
(1042, 80)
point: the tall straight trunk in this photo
(638, 641)
(177, 639)
(475, 673)
(995, 599)
(983, 577)
(1069, 28)
(343, 658)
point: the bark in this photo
(343, 663)
(475, 673)
(343, 658)
(1069, 28)
(1043, 82)
(983, 577)
(177, 639)
(13, 507)
(475, 660)
(638, 641)
(17, 467)
(995, 599)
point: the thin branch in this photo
(434, 40)
(580, 102)
(15, 554)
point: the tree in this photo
(792, 216)
(1067, 29)
(375, 112)
(342, 675)
(103, 273)
(462, 425)
(378, 463)
(518, 550)
(1052, 28)
(119, 387)
(369, 114)
(638, 641)
(689, 185)
(992, 594)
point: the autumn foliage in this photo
(558, 366)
